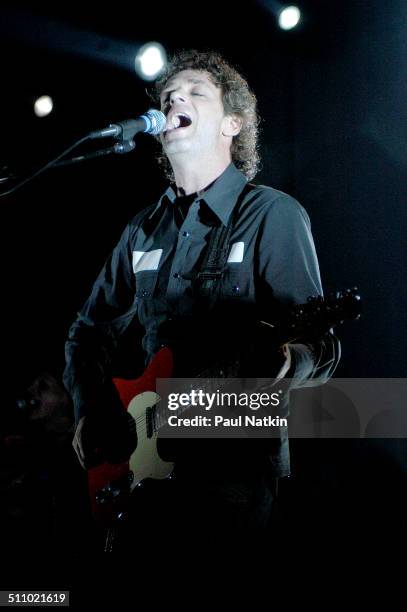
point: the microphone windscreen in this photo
(158, 121)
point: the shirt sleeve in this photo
(94, 335)
(288, 264)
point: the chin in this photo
(176, 146)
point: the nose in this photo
(177, 96)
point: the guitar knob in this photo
(130, 478)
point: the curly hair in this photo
(237, 99)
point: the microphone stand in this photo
(121, 147)
(124, 132)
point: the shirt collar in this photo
(221, 196)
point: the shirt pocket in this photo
(235, 284)
(146, 282)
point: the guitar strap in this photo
(206, 280)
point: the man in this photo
(209, 149)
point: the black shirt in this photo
(272, 263)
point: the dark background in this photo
(333, 106)
(332, 96)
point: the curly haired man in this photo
(264, 261)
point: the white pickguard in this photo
(145, 462)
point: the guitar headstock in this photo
(339, 305)
(319, 314)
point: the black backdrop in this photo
(332, 98)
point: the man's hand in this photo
(84, 444)
(287, 363)
(99, 440)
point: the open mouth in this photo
(178, 121)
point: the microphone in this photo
(152, 122)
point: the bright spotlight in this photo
(150, 61)
(289, 17)
(43, 106)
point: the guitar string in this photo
(203, 375)
(208, 374)
(141, 421)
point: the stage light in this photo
(289, 17)
(43, 106)
(150, 61)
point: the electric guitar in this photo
(110, 483)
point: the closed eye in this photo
(165, 99)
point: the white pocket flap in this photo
(236, 253)
(146, 260)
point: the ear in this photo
(232, 124)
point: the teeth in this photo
(175, 122)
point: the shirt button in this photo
(186, 234)
(176, 275)
(235, 288)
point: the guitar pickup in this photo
(150, 421)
